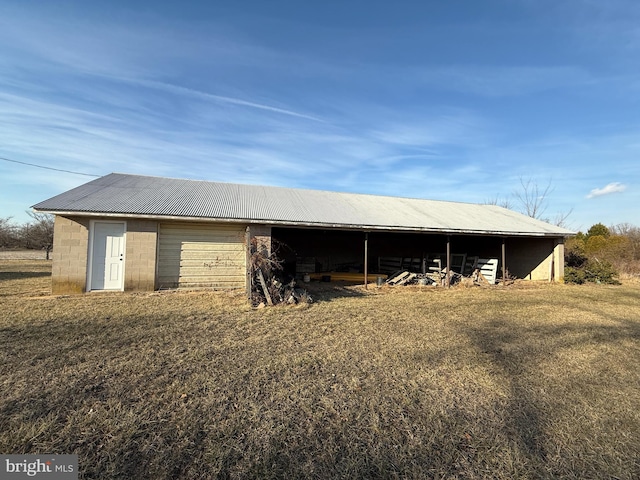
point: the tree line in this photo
(603, 253)
(35, 234)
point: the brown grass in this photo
(14, 254)
(528, 381)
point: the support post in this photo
(366, 260)
(504, 262)
(249, 278)
(448, 277)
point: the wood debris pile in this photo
(434, 279)
(483, 271)
(266, 285)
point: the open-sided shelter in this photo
(141, 233)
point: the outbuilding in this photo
(138, 233)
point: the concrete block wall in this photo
(140, 255)
(70, 247)
(262, 235)
(536, 259)
(558, 260)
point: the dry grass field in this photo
(518, 382)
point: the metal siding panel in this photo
(201, 255)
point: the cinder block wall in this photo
(262, 234)
(70, 247)
(533, 258)
(140, 255)
(558, 260)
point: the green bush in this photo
(599, 255)
(574, 275)
(598, 229)
(594, 270)
(575, 259)
(600, 271)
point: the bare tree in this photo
(560, 220)
(626, 229)
(632, 233)
(532, 197)
(532, 200)
(7, 233)
(500, 202)
(38, 233)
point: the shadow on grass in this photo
(22, 275)
(517, 352)
(524, 418)
(328, 291)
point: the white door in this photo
(107, 261)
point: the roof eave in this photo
(364, 228)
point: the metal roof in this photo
(119, 194)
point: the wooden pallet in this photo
(488, 269)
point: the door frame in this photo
(92, 225)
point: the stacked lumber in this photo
(402, 278)
(481, 270)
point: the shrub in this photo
(574, 275)
(598, 256)
(600, 271)
(594, 270)
(598, 229)
(596, 243)
(574, 255)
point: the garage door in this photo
(201, 256)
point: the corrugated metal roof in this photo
(135, 195)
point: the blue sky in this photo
(456, 100)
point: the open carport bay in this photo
(316, 250)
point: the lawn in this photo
(524, 381)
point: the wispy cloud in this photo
(615, 187)
(504, 81)
(180, 90)
(436, 128)
(137, 55)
